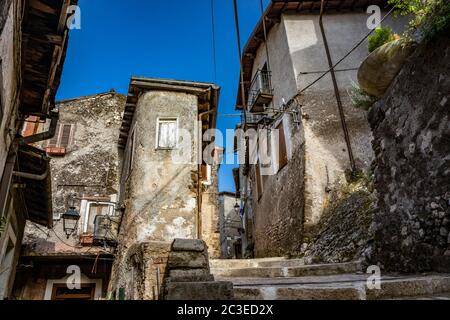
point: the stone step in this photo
(249, 263)
(219, 290)
(342, 287)
(288, 271)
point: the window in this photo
(95, 209)
(258, 179)
(206, 174)
(265, 154)
(31, 126)
(167, 133)
(282, 151)
(60, 291)
(59, 143)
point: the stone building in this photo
(164, 197)
(85, 175)
(312, 154)
(33, 42)
(231, 230)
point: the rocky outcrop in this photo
(411, 128)
(343, 233)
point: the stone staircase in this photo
(283, 279)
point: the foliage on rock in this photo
(360, 99)
(380, 36)
(431, 17)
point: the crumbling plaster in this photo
(88, 169)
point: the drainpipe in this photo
(54, 116)
(8, 172)
(37, 177)
(199, 170)
(336, 92)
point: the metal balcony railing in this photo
(252, 119)
(260, 92)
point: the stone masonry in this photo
(411, 127)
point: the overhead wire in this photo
(347, 54)
(213, 26)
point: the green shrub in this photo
(360, 99)
(431, 17)
(380, 36)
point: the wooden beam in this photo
(63, 16)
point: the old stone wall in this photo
(411, 127)
(160, 200)
(159, 194)
(88, 170)
(9, 55)
(278, 210)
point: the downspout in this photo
(37, 177)
(54, 116)
(12, 157)
(336, 92)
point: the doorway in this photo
(62, 292)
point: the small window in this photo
(282, 151)
(206, 174)
(31, 126)
(266, 152)
(258, 179)
(94, 211)
(61, 141)
(167, 133)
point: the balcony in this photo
(260, 93)
(252, 120)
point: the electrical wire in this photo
(347, 54)
(213, 25)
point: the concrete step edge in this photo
(267, 272)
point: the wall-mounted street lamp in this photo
(70, 219)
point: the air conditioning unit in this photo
(106, 229)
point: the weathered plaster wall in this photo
(9, 70)
(281, 65)
(160, 197)
(89, 169)
(411, 127)
(325, 150)
(160, 201)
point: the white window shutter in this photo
(167, 133)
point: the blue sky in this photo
(157, 38)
